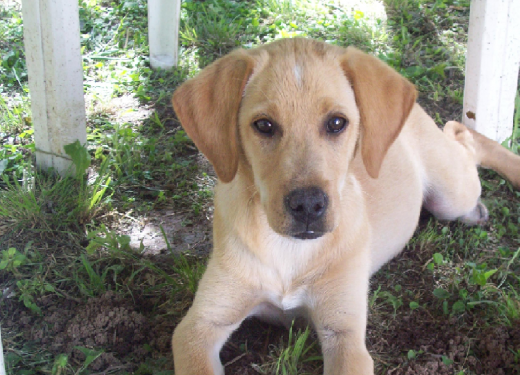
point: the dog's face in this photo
(298, 128)
(292, 114)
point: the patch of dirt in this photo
(447, 108)
(122, 328)
(249, 344)
(448, 346)
(181, 233)
(496, 351)
(137, 329)
(443, 344)
(122, 109)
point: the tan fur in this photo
(384, 99)
(489, 154)
(258, 267)
(209, 107)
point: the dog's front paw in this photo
(478, 216)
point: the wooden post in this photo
(492, 64)
(52, 48)
(163, 32)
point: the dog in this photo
(324, 160)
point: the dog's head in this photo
(291, 115)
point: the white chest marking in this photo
(294, 300)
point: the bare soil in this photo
(137, 328)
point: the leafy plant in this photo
(60, 364)
(480, 274)
(96, 281)
(90, 356)
(28, 289)
(80, 157)
(111, 241)
(512, 141)
(12, 260)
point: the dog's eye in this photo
(265, 127)
(336, 124)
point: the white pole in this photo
(52, 48)
(2, 364)
(163, 32)
(492, 64)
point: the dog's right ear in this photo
(385, 99)
(207, 107)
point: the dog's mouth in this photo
(308, 235)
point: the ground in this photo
(97, 270)
(136, 330)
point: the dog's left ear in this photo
(208, 105)
(384, 99)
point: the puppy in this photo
(324, 161)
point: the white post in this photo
(163, 32)
(52, 48)
(2, 364)
(492, 64)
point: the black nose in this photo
(306, 205)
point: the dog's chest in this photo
(294, 299)
(288, 272)
(283, 308)
(289, 261)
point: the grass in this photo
(70, 242)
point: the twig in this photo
(69, 297)
(111, 368)
(235, 359)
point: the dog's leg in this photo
(453, 184)
(220, 305)
(488, 153)
(339, 314)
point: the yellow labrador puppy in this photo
(324, 161)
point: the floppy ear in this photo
(207, 107)
(384, 99)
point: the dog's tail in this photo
(488, 153)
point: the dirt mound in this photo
(499, 352)
(491, 354)
(106, 322)
(110, 322)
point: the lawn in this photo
(96, 269)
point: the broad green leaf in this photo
(489, 273)
(441, 293)
(438, 258)
(446, 360)
(80, 157)
(3, 165)
(458, 307)
(414, 305)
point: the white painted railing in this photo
(2, 364)
(52, 49)
(163, 32)
(51, 29)
(492, 63)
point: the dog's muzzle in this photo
(307, 207)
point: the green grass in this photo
(65, 239)
(299, 355)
